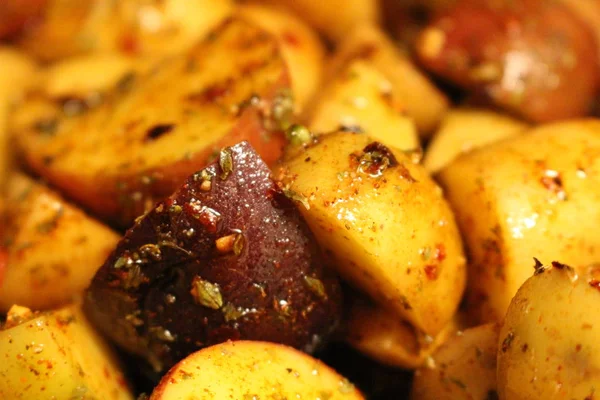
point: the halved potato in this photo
(253, 370)
(360, 97)
(548, 346)
(384, 221)
(531, 195)
(72, 27)
(464, 368)
(463, 130)
(120, 153)
(301, 47)
(422, 100)
(57, 355)
(52, 248)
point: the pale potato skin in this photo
(67, 28)
(463, 130)
(548, 346)
(382, 336)
(361, 97)
(302, 48)
(253, 370)
(57, 355)
(464, 368)
(53, 248)
(422, 101)
(534, 195)
(120, 152)
(392, 236)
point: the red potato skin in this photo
(534, 57)
(15, 14)
(267, 279)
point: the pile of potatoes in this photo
(200, 199)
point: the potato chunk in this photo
(534, 195)
(57, 355)
(548, 346)
(227, 256)
(119, 153)
(52, 248)
(253, 370)
(384, 222)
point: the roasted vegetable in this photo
(52, 248)
(532, 195)
(253, 370)
(548, 346)
(464, 368)
(385, 223)
(119, 153)
(535, 58)
(225, 257)
(57, 355)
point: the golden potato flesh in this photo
(548, 346)
(52, 248)
(253, 370)
(361, 98)
(119, 152)
(464, 368)
(535, 195)
(384, 222)
(464, 130)
(57, 355)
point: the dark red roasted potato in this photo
(226, 257)
(532, 57)
(14, 15)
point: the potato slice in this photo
(384, 222)
(227, 256)
(532, 195)
(422, 100)
(150, 132)
(152, 29)
(253, 370)
(463, 130)
(360, 97)
(464, 368)
(301, 47)
(52, 248)
(57, 355)
(382, 336)
(548, 346)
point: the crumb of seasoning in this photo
(158, 130)
(206, 294)
(595, 283)
(225, 162)
(230, 243)
(431, 271)
(374, 160)
(231, 312)
(316, 286)
(539, 267)
(552, 181)
(205, 186)
(298, 135)
(507, 341)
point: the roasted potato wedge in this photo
(535, 58)
(463, 130)
(301, 47)
(464, 368)
(226, 257)
(57, 355)
(422, 100)
(152, 29)
(52, 248)
(548, 347)
(120, 155)
(360, 97)
(531, 195)
(253, 370)
(361, 199)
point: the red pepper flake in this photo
(291, 39)
(129, 44)
(440, 252)
(507, 341)
(595, 284)
(553, 182)
(432, 272)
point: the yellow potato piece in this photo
(534, 195)
(384, 222)
(57, 355)
(465, 130)
(464, 368)
(253, 370)
(549, 346)
(53, 251)
(361, 97)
